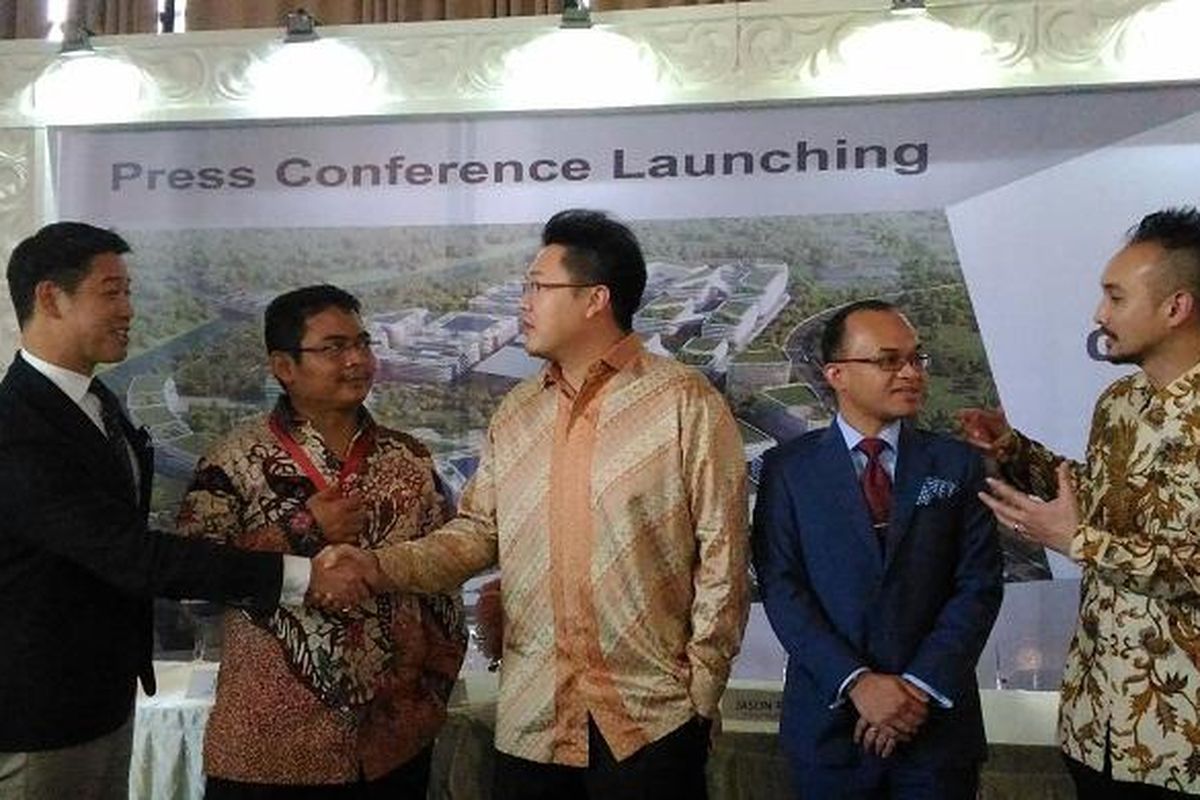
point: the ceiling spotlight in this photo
(576, 14)
(300, 26)
(908, 6)
(77, 39)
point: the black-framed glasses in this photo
(529, 287)
(340, 348)
(891, 362)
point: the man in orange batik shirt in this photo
(612, 492)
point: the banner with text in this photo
(988, 219)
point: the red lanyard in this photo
(354, 461)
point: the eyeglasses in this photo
(536, 287)
(892, 362)
(341, 348)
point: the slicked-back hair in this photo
(1176, 230)
(834, 335)
(289, 313)
(61, 253)
(601, 250)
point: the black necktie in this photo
(876, 485)
(110, 415)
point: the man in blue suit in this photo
(880, 572)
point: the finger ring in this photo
(1018, 527)
(345, 609)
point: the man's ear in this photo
(47, 299)
(1181, 306)
(283, 367)
(833, 374)
(599, 300)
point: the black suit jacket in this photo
(78, 569)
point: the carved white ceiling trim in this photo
(741, 52)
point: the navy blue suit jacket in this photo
(837, 600)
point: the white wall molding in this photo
(767, 51)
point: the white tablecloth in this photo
(169, 737)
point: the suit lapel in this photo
(62, 413)
(839, 481)
(913, 463)
(139, 440)
(55, 407)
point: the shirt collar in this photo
(73, 384)
(1176, 398)
(293, 423)
(852, 436)
(616, 358)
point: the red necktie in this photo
(876, 485)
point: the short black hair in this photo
(61, 253)
(604, 251)
(288, 314)
(834, 334)
(1176, 230)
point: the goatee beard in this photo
(1127, 358)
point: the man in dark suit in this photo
(881, 575)
(78, 566)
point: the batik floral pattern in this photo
(1132, 676)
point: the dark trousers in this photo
(671, 767)
(409, 781)
(1091, 784)
(879, 780)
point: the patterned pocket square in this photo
(933, 489)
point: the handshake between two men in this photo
(343, 575)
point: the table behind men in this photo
(746, 764)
